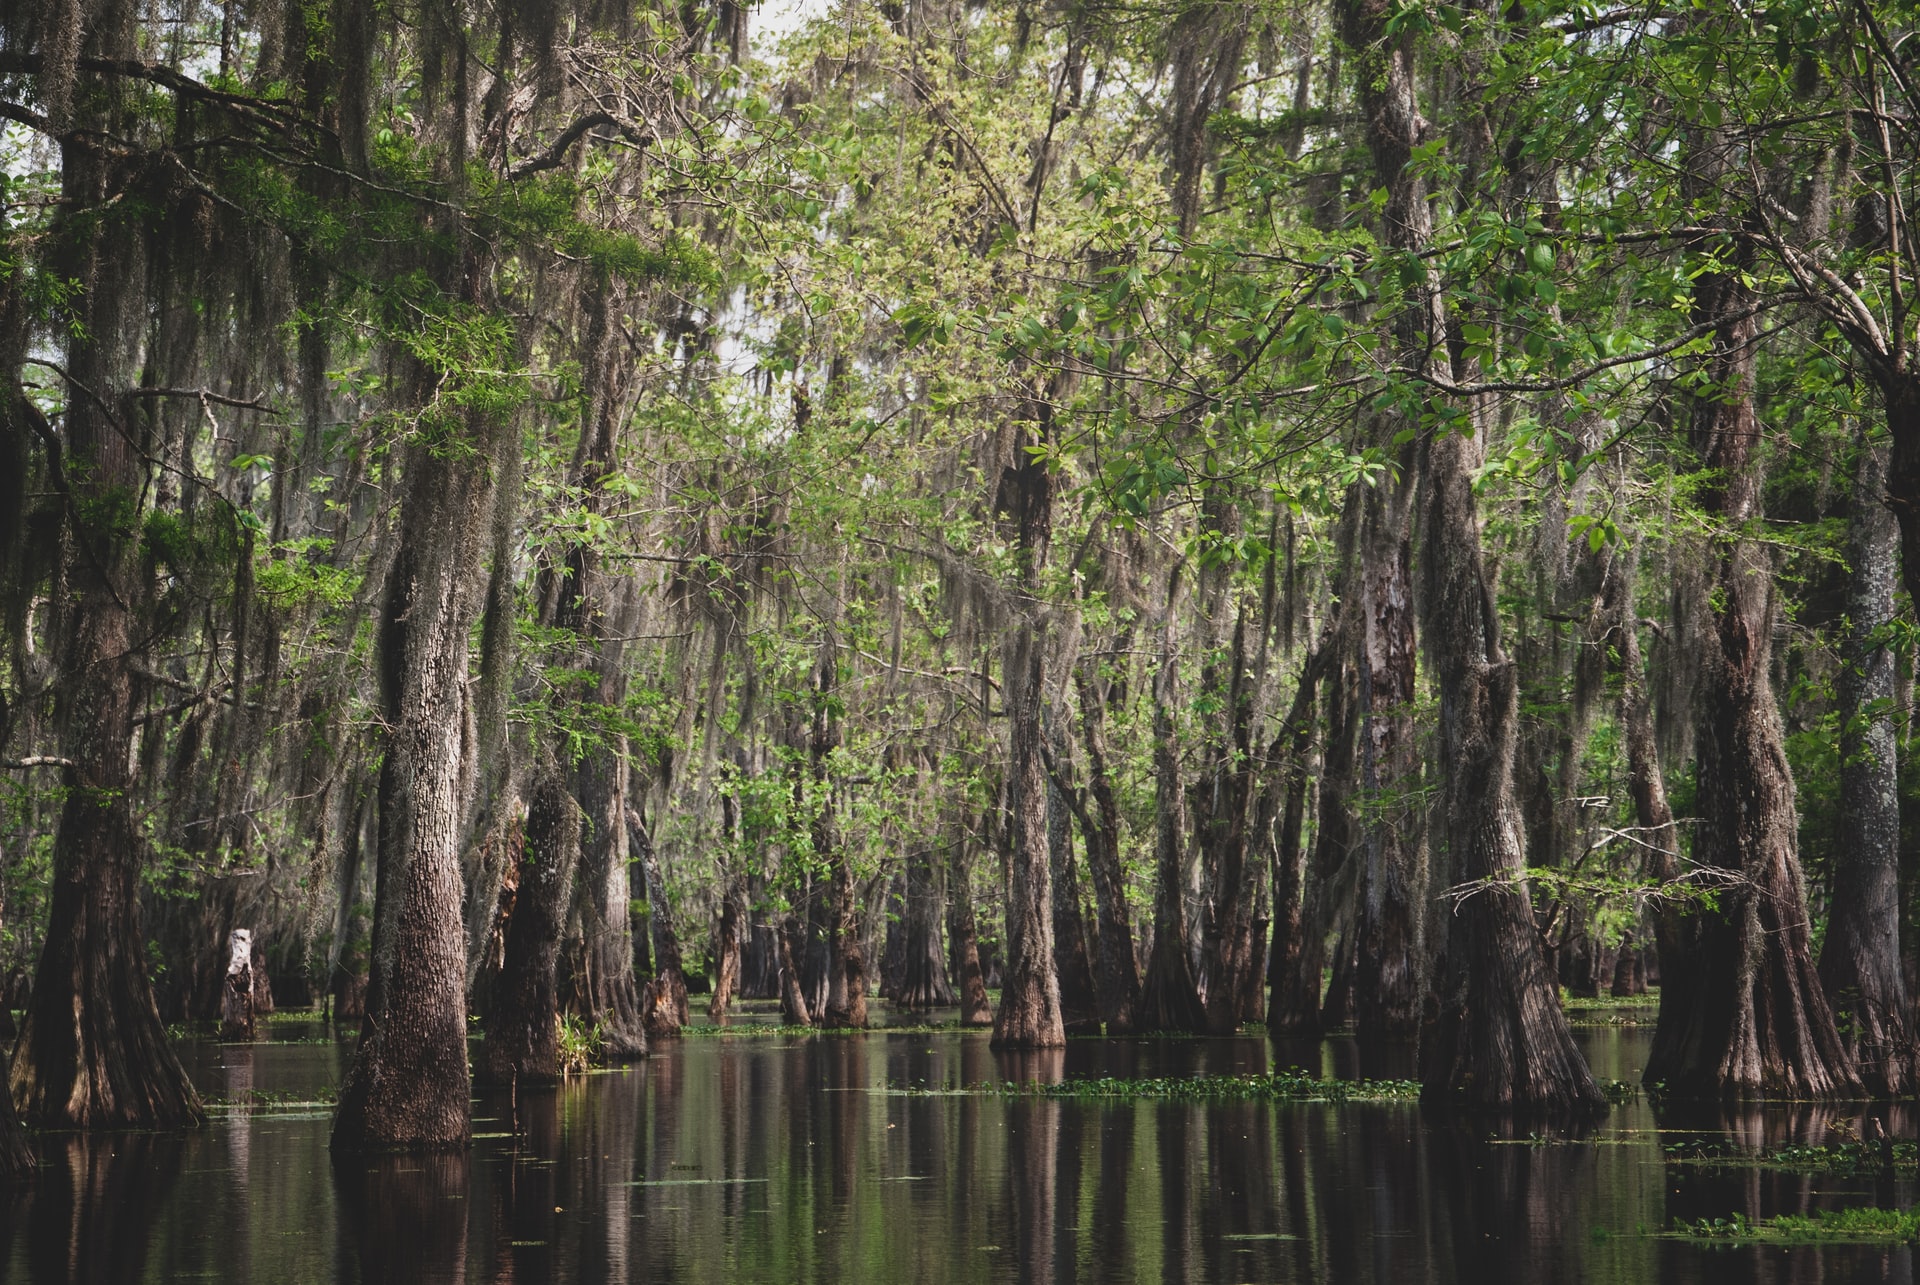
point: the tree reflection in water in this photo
(893, 1157)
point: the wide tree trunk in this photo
(1860, 960)
(409, 1085)
(794, 1010)
(923, 981)
(599, 986)
(1744, 1015)
(1499, 1039)
(580, 597)
(522, 1042)
(1390, 983)
(1117, 977)
(237, 1009)
(1029, 1015)
(92, 1052)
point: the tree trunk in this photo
(1029, 1014)
(727, 952)
(1228, 939)
(1744, 1015)
(1117, 980)
(964, 940)
(522, 1042)
(793, 998)
(923, 983)
(1292, 748)
(92, 1052)
(598, 966)
(663, 1002)
(1860, 960)
(1389, 986)
(1499, 1039)
(1169, 1001)
(408, 1086)
(236, 993)
(1295, 1007)
(846, 1005)
(1072, 962)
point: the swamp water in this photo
(772, 1158)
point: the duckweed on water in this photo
(1865, 1225)
(1842, 1158)
(1278, 1086)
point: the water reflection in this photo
(773, 1158)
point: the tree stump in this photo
(237, 1004)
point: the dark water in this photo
(766, 1158)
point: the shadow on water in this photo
(892, 1157)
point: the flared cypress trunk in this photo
(794, 1010)
(522, 1041)
(408, 1085)
(1860, 959)
(727, 954)
(92, 1052)
(1169, 1000)
(599, 986)
(1500, 1040)
(663, 1003)
(1117, 977)
(923, 980)
(1744, 1015)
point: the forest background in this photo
(1354, 514)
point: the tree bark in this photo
(1860, 960)
(726, 950)
(924, 981)
(1389, 985)
(663, 1001)
(963, 938)
(92, 1052)
(1744, 1015)
(236, 992)
(409, 1085)
(1117, 980)
(522, 1042)
(1072, 961)
(1029, 1015)
(793, 998)
(1499, 1039)
(1169, 1000)
(599, 984)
